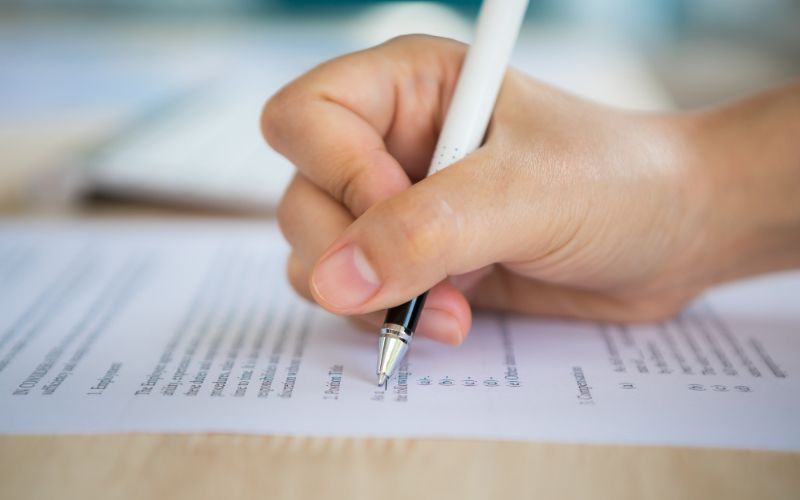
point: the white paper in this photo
(190, 326)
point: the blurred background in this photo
(156, 102)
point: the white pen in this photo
(464, 127)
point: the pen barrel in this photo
(479, 82)
(407, 315)
(471, 107)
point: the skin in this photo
(570, 208)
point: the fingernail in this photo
(345, 279)
(440, 325)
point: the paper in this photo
(189, 326)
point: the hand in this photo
(569, 208)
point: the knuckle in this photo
(285, 215)
(416, 39)
(275, 115)
(338, 181)
(421, 44)
(428, 230)
(269, 121)
(405, 39)
(345, 188)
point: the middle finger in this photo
(310, 219)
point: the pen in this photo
(463, 131)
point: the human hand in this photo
(569, 208)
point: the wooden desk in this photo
(237, 466)
(173, 467)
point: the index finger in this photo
(362, 126)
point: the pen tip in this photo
(382, 380)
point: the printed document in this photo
(190, 326)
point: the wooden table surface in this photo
(198, 466)
(240, 466)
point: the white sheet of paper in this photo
(181, 326)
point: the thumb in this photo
(458, 220)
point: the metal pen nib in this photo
(395, 337)
(392, 346)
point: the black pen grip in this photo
(407, 314)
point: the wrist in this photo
(749, 155)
